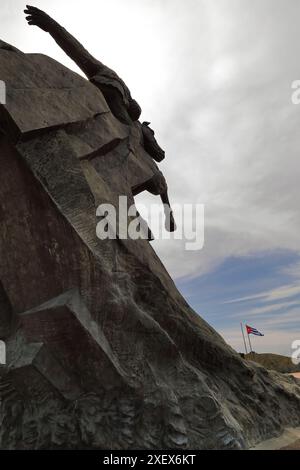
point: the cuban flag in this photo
(253, 331)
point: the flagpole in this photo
(244, 338)
(249, 342)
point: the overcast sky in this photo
(214, 78)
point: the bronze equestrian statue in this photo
(116, 94)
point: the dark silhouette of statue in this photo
(116, 94)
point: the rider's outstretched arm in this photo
(85, 61)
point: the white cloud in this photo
(274, 308)
(282, 292)
(285, 321)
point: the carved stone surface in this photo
(102, 350)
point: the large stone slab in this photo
(41, 93)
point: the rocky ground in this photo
(289, 439)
